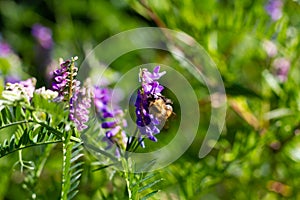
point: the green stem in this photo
(21, 161)
(67, 162)
(127, 178)
(128, 188)
(43, 160)
(71, 81)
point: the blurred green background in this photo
(255, 45)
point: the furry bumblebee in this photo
(161, 108)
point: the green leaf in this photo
(146, 178)
(278, 113)
(147, 196)
(77, 165)
(73, 194)
(150, 185)
(19, 112)
(27, 133)
(272, 82)
(101, 167)
(12, 143)
(74, 186)
(6, 116)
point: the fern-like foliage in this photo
(27, 125)
(141, 185)
(27, 130)
(72, 167)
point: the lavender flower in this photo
(64, 81)
(79, 106)
(43, 35)
(43, 52)
(13, 69)
(274, 9)
(101, 100)
(270, 48)
(150, 91)
(281, 66)
(112, 119)
(5, 49)
(12, 79)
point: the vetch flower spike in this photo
(112, 118)
(43, 35)
(152, 108)
(64, 81)
(80, 104)
(68, 88)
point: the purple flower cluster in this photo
(5, 49)
(43, 35)
(13, 69)
(79, 106)
(151, 90)
(112, 119)
(274, 9)
(281, 66)
(64, 81)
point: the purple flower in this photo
(79, 99)
(43, 52)
(109, 124)
(149, 83)
(64, 81)
(148, 77)
(142, 109)
(150, 91)
(101, 98)
(43, 35)
(12, 79)
(5, 49)
(79, 106)
(281, 66)
(112, 118)
(274, 9)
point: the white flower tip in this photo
(60, 61)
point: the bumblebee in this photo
(161, 108)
